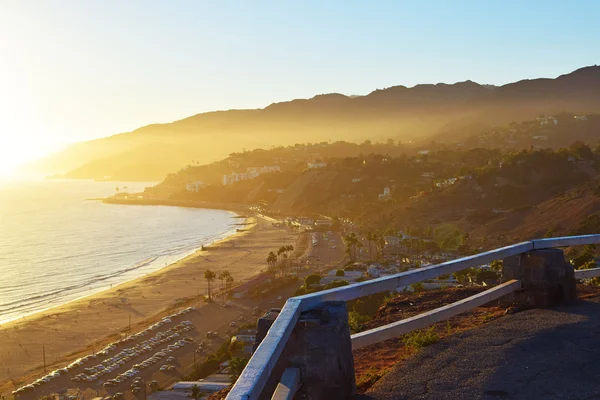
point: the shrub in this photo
(339, 272)
(355, 321)
(368, 379)
(312, 280)
(335, 284)
(420, 338)
(418, 287)
(236, 366)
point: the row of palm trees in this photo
(224, 276)
(279, 261)
(375, 241)
(415, 247)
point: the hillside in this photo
(511, 192)
(398, 112)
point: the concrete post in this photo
(547, 278)
(321, 348)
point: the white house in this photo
(423, 152)
(446, 182)
(316, 165)
(194, 186)
(251, 173)
(386, 195)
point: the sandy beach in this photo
(80, 327)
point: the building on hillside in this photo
(316, 165)
(386, 195)
(446, 182)
(356, 180)
(547, 120)
(580, 117)
(194, 186)
(264, 170)
(246, 337)
(251, 173)
(323, 222)
(423, 152)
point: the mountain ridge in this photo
(397, 112)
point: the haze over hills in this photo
(423, 112)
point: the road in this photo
(325, 248)
(537, 354)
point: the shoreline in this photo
(76, 328)
(233, 207)
(229, 233)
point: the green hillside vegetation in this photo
(510, 194)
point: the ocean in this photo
(57, 245)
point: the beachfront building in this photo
(251, 173)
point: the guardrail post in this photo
(546, 277)
(321, 348)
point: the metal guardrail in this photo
(407, 325)
(287, 388)
(587, 273)
(254, 377)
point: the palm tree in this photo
(369, 237)
(196, 392)
(221, 277)
(281, 250)
(271, 260)
(224, 276)
(352, 242)
(209, 276)
(228, 282)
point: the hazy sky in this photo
(80, 69)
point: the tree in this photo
(496, 266)
(236, 366)
(209, 276)
(196, 392)
(370, 237)
(271, 261)
(339, 272)
(229, 282)
(486, 275)
(581, 150)
(352, 242)
(221, 277)
(312, 280)
(335, 284)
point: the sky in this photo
(73, 70)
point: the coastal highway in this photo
(325, 248)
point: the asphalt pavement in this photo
(535, 354)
